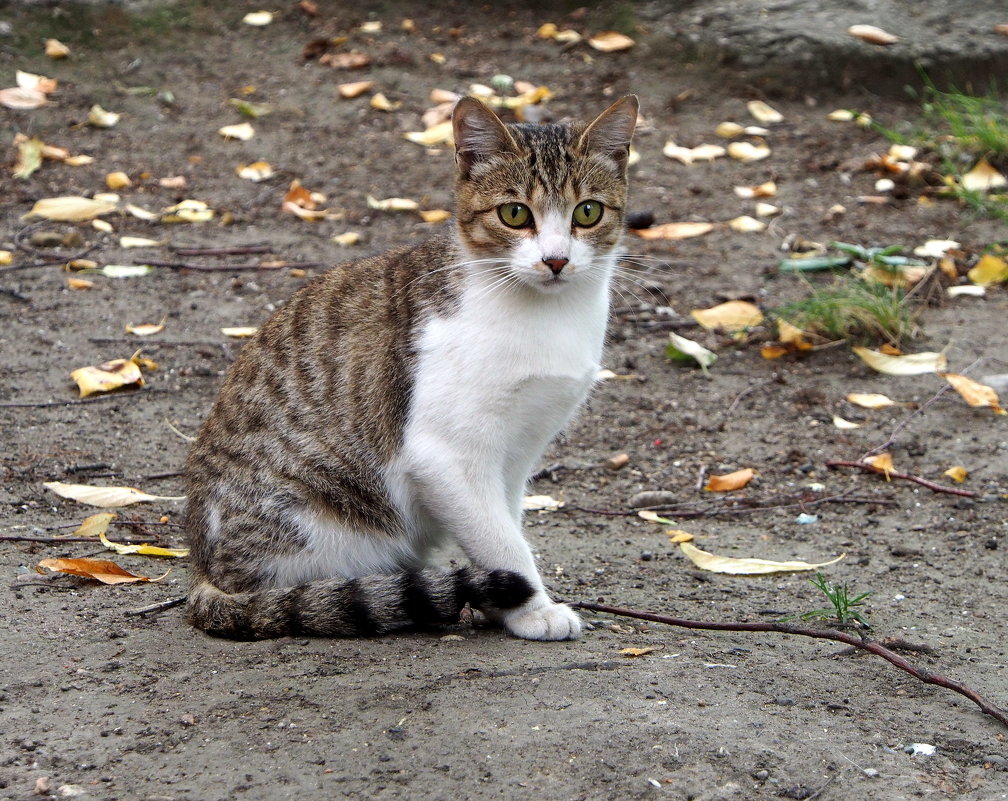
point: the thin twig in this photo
(832, 464)
(220, 268)
(893, 658)
(237, 250)
(157, 608)
(45, 540)
(117, 395)
(146, 342)
(13, 293)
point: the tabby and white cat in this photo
(401, 399)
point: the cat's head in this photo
(542, 203)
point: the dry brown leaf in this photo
(745, 567)
(348, 91)
(103, 570)
(730, 481)
(675, 230)
(256, 171)
(767, 189)
(71, 208)
(106, 377)
(95, 525)
(382, 103)
(974, 393)
(141, 548)
(79, 283)
(55, 49)
(29, 80)
(734, 315)
(631, 652)
(764, 113)
(435, 215)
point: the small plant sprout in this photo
(842, 610)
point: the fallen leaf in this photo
(29, 80)
(142, 214)
(983, 177)
(872, 35)
(631, 652)
(95, 525)
(126, 270)
(117, 180)
(675, 230)
(79, 283)
(435, 215)
(346, 61)
(103, 570)
(683, 349)
(146, 329)
(143, 548)
(438, 134)
(611, 41)
(18, 97)
(747, 152)
(730, 481)
(239, 332)
(677, 536)
(767, 189)
(966, 289)
(242, 130)
(729, 130)
(258, 18)
(745, 567)
(256, 171)
(766, 210)
(935, 248)
(188, 211)
(382, 103)
(906, 364)
(105, 497)
(173, 182)
(747, 225)
(958, 473)
(974, 393)
(139, 242)
(734, 315)
(843, 424)
(100, 118)
(71, 208)
(353, 89)
(250, 109)
(764, 113)
(653, 517)
(347, 239)
(883, 462)
(870, 400)
(106, 377)
(989, 270)
(29, 157)
(55, 49)
(392, 204)
(540, 503)
(689, 155)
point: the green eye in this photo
(514, 215)
(587, 213)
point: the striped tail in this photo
(358, 607)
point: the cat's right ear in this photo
(479, 134)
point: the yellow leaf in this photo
(746, 224)
(547, 30)
(71, 208)
(146, 329)
(242, 130)
(790, 334)
(735, 315)
(774, 351)
(746, 566)
(382, 103)
(730, 481)
(117, 180)
(239, 332)
(764, 113)
(870, 400)
(54, 48)
(6, 257)
(678, 535)
(435, 215)
(438, 134)
(103, 570)
(105, 497)
(983, 177)
(767, 210)
(989, 270)
(29, 80)
(256, 171)
(958, 473)
(29, 157)
(353, 89)
(675, 230)
(973, 392)
(611, 41)
(688, 155)
(106, 377)
(883, 462)
(747, 152)
(630, 652)
(872, 35)
(79, 283)
(843, 424)
(190, 211)
(729, 130)
(906, 364)
(347, 239)
(95, 525)
(144, 549)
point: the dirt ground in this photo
(98, 704)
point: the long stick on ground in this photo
(892, 657)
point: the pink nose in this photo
(555, 265)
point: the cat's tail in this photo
(363, 606)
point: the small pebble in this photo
(651, 498)
(646, 556)
(640, 219)
(871, 773)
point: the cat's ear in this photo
(612, 130)
(479, 134)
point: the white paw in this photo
(549, 622)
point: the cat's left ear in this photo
(612, 130)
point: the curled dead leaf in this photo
(392, 204)
(632, 652)
(763, 112)
(746, 566)
(101, 118)
(872, 35)
(103, 570)
(675, 230)
(904, 364)
(55, 49)
(730, 481)
(242, 131)
(105, 497)
(70, 208)
(256, 171)
(107, 377)
(974, 393)
(882, 461)
(348, 91)
(18, 97)
(870, 400)
(611, 42)
(747, 152)
(957, 473)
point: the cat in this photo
(404, 398)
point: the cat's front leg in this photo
(480, 520)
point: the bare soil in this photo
(98, 704)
